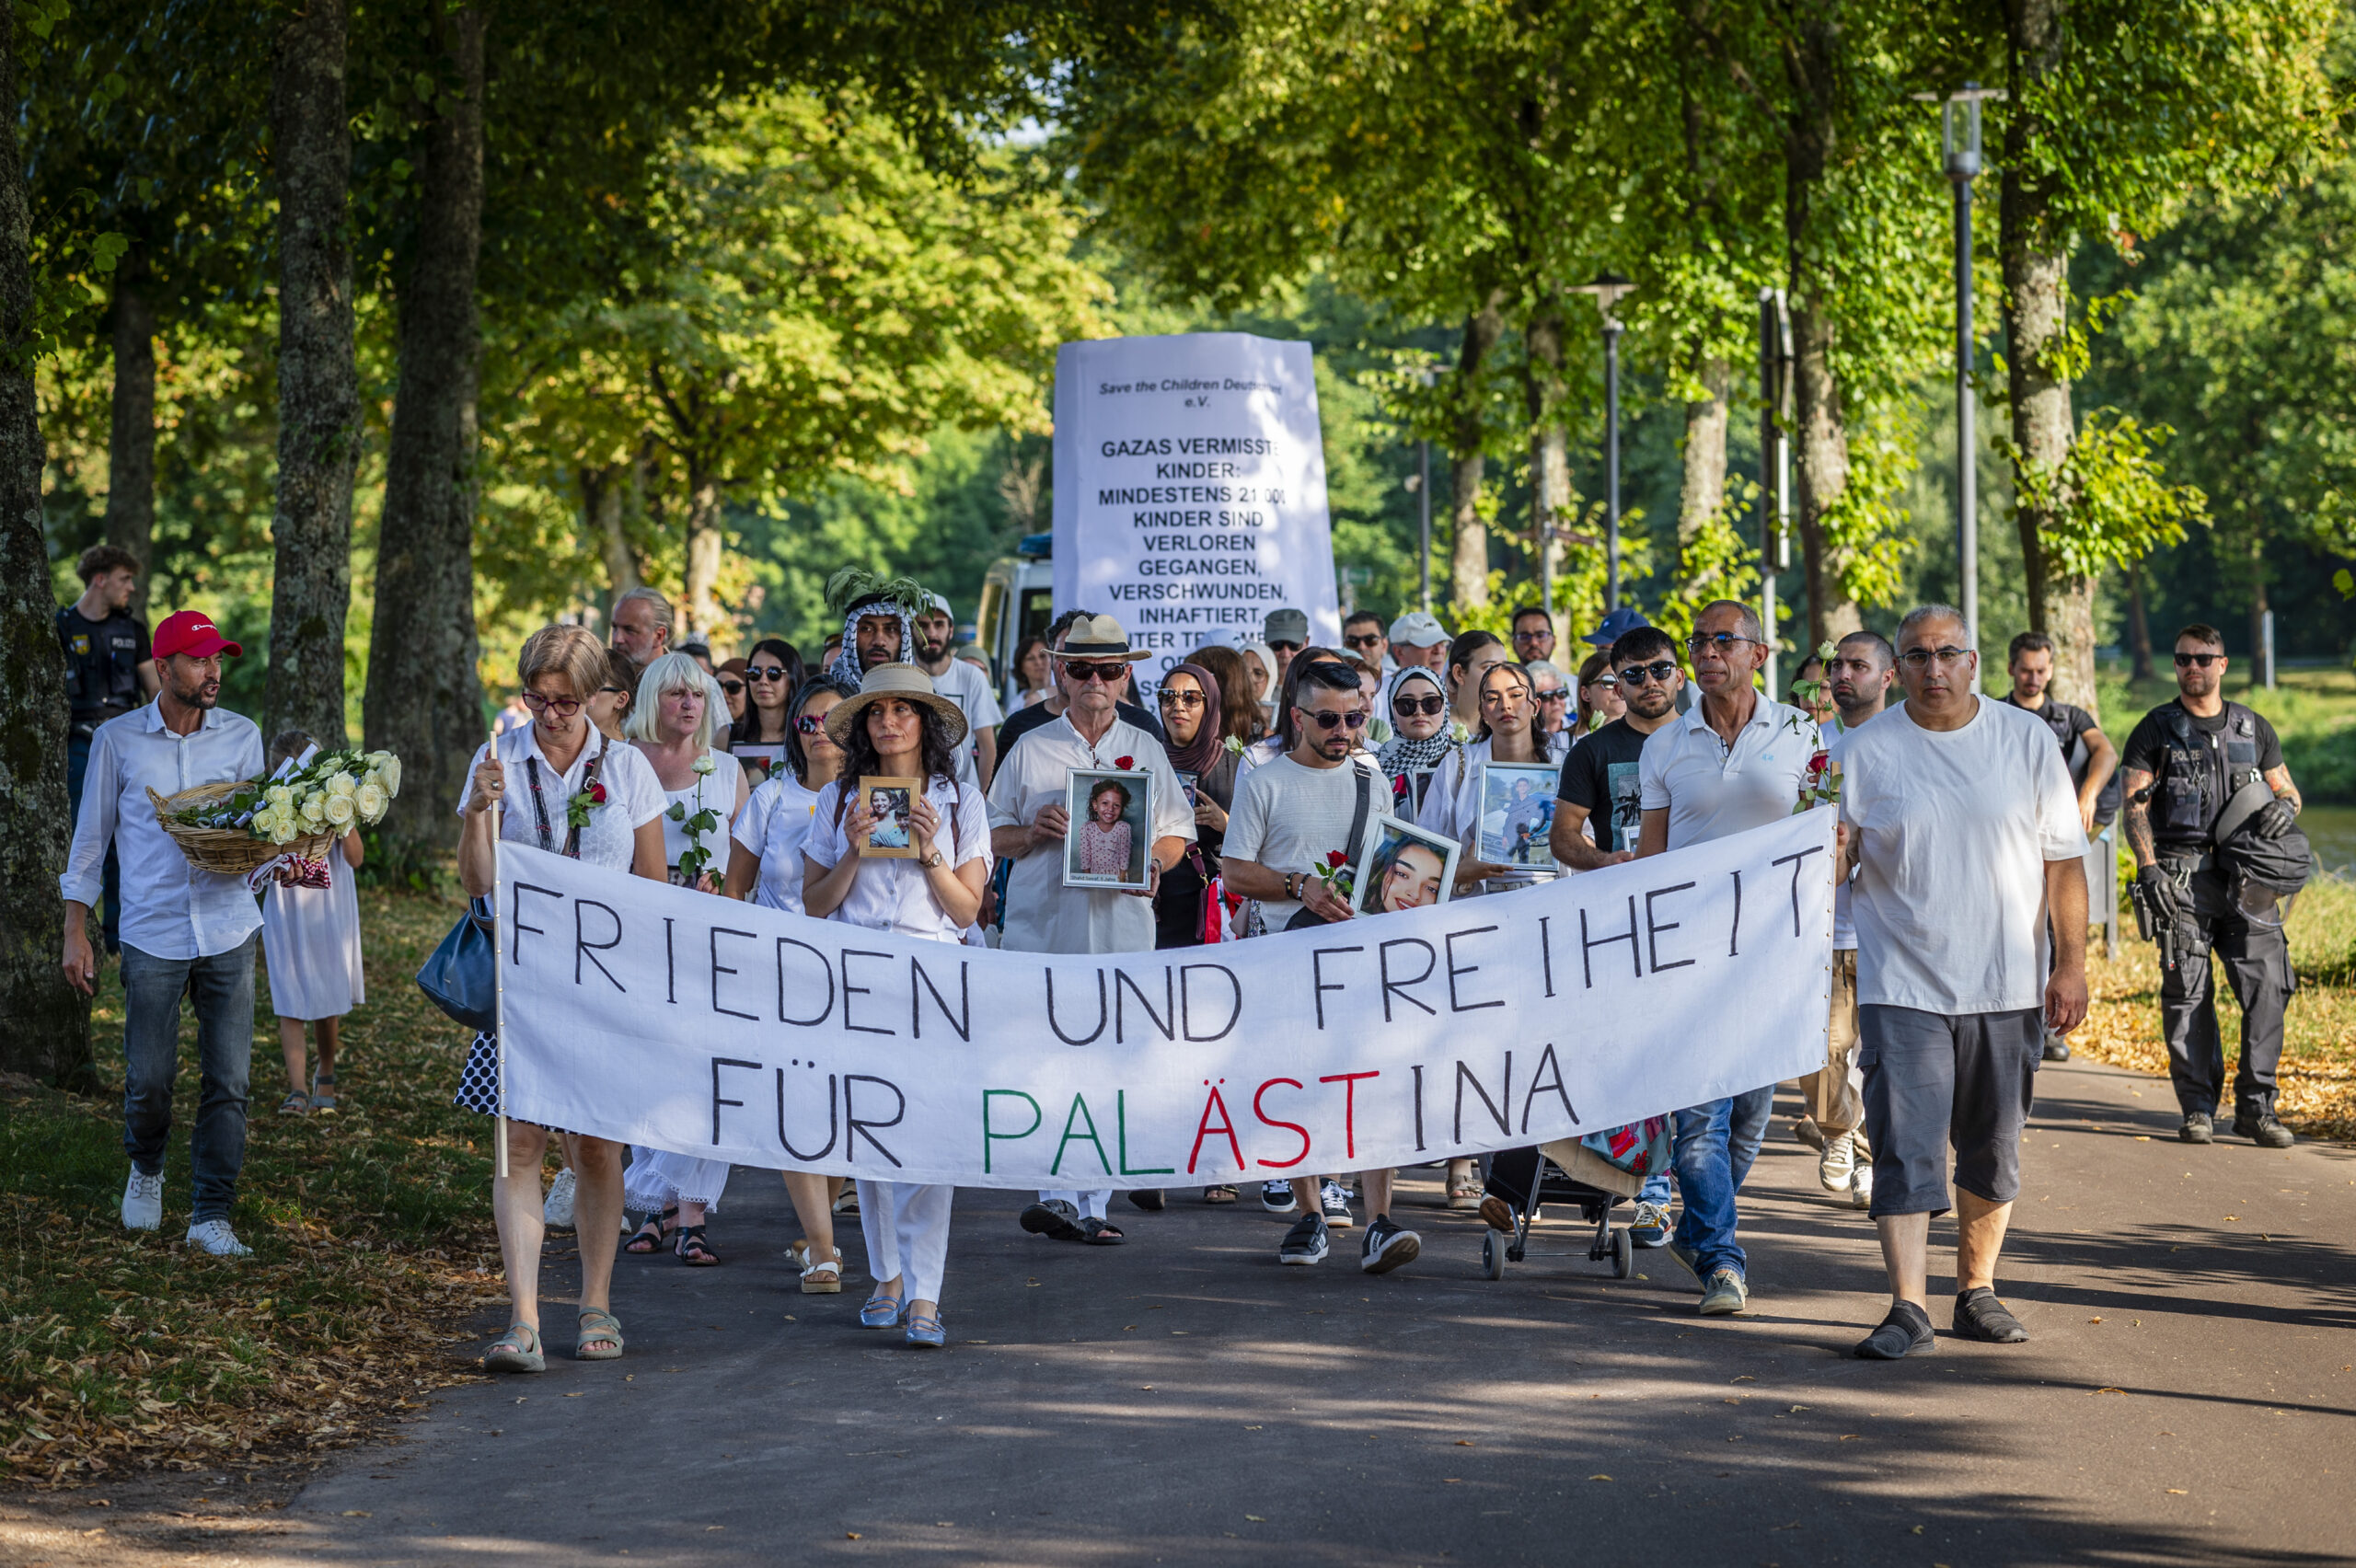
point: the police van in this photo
(1018, 601)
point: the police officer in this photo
(109, 671)
(2184, 761)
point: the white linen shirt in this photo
(1711, 792)
(633, 796)
(774, 826)
(965, 684)
(1042, 914)
(889, 894)
(1953, 830)
(170, 908)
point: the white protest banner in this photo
(1190, 490)
(679, 1020)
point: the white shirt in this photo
(965, 684)
(895, 895)
(717, 790)
(1042, 914)
(1953, 831)
(1288, 816)
(1711, 792)
(1844, 930)
(170, 908)
(633, 796)
(775, 824)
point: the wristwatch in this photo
(931, 860)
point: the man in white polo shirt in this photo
(1735, 762)
(1964, 830)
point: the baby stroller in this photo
(1597, 1173)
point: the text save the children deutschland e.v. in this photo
(659, 1017)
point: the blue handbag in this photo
(462, 976)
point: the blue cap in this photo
(1617, 625)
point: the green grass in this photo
(372, 1239)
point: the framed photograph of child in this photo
(1516, 814)
(894, 836)
(1111, 838)
(1403, 867)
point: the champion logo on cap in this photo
(192, 632)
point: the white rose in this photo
(371, 799)
(342, 784)
(373, 776)
(704, 763)
(280, 796)
(282, 829)
(339, 811)
(389, 771)
(379, 758)
(315, 811)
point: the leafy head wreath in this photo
(855, 592)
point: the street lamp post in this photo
(1959, 148)
(1608, 289)
(1775, 461)
(1424, 504)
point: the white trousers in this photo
(1091, 1201)
(907, 1226)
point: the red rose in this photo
(1336, 859)
(596, 793)
(1820, 762)
(1124, 763)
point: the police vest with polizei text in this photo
(2200, 772)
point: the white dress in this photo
(310, 939)
(775, 824)
(717, 790)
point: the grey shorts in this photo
(1932, 1081)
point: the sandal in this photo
(798, 1253)
(651, 1240)
(517, 1349)
(1222, 1194)
(880, 1312)
(597, 1328)
(823, 1276)
(925, 1331)
(323, 1092)
(692, 1249)
(1101, 1233)
(295, 1104)
(1464, 1192)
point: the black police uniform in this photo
(102, 660)
(2197, 764)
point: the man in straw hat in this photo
(184, 932)
(1028, 823)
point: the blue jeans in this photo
(1715, 1146)
(77, 763)
(221, 989)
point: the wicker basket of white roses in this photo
(235, 828)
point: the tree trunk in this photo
(48, 1032)
(602, 498)
(1823, 439)
(319, 381)
(1703, 490)
(2139, 625)
(424, 701)
(2036, 312)
(1469, 569)
(1549, 455)
(704, 539)
(131, 436)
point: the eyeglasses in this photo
(1286, 647)
(1353, 716)
(765, 672)
(2203, 659)
(1722, 643)
(1533, 636)
(1080, 670)
(1429, 706)
(734, 689)
(1558, 694)
(610, 690)
(1638, 674)
(563, 707)
(1921, 658)
(1365, 639)
(809, 724)
(1179, 698)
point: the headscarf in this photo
(1399, 755)
(1201, 754)
(859, 593)
(846, 665)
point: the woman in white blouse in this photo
(896, 727)
(765, 865)
(672, 722)
(535, 777)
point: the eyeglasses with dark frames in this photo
(563, 707)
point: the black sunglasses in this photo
(2203, 659)
(1427, 706)
(1365, 639)
(731, 687)
(1638, 674)
(1286, 647)
(1179, 698)
(1326, 721)
(1081, 670)
(765, 672)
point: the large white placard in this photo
(1190, 490)
(678, 1020)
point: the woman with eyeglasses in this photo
(533, 775)
(772, 674)
(1552, 690)
(609, 705)
(765, 865)
(1600, 700)
(730, 676)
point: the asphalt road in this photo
(2187, 1395)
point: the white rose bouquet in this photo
(334, 792)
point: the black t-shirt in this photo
(1601, 775)
(2069, 724)
(2149, 741)
(102, 660)
(2181, 820)
(1020, 723)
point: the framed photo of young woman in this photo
(1403, 867)
(894, 836)
(1110, 838)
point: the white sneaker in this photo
(1832, 1165)
(1861, 1186)
(216, 1237)
(142, 1201)
(557, 1212)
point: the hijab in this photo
(1400, 754)
(1201, 754)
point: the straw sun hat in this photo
(904, 681)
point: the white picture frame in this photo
(1516, 814)
(1088, 840)
(1395, 843)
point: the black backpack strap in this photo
(1364, 809)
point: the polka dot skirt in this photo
(478, 1083)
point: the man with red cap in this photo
(184, 932)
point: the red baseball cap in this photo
(192, 632)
